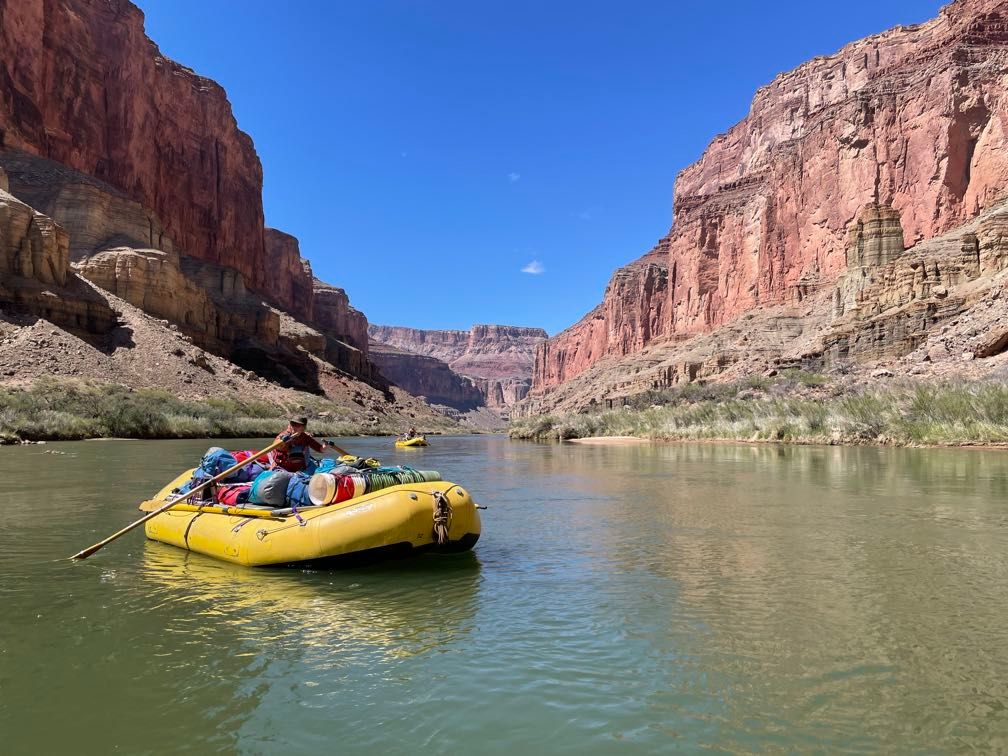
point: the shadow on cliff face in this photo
(291, 370)
(76, 308)
(120, 337)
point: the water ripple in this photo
(638, 599)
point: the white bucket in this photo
(322, 489)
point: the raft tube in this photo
(417, 441)
(394, 521)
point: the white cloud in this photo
(585, 215)
(512, 177)
(535, 268)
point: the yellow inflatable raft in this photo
(438, 517)
(415, 441)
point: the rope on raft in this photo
(442, 518)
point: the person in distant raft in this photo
(296, 455)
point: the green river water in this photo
(638, 599)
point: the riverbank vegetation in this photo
(52, 409)
(798, 408)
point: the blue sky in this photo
(460, 162)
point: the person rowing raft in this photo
(296, 455)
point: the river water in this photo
(636, 599)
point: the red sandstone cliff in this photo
(331, 311)
(81, 84)
(914, 118)
(141, 161)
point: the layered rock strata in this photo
(122, 247)
(496, 359)
(332, 313)
(35, 274)
(82, 85)
(875, 239)
(912, 119)
(426, 377)
(932, 309)
(891, 308)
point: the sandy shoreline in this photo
(616, 440)
(630, 440)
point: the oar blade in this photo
(82, 555)
(171, 502)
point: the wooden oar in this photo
(172, 502)
(341, 452)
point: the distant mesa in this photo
(486, 366)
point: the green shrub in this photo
(944, 413)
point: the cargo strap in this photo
(442, 518)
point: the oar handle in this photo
(282, 441)
(342, 452)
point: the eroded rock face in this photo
(207, 302)
(96, 215)
(930, 310)
(426, 376)
(502, 393)
(498, 359)
(890, 309)
(35, 275)
(331, 312)
(164, 164)
(875, 239)
(123, 248)
(31, 245)
(484, 351)
(292, 279)
(913, 119)
(81, 83)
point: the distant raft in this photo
(415, 441)
(400, 519)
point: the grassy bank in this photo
(66, 410)
(798, 409)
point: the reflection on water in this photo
(640, 599)
(420, 605)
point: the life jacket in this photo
(295, 458)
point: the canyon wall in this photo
(35, 273)
(123, 247)
(938, 308)
(912, 119)
(331, 311)
(141, 162)
(426, 376)
(497, 359)
(82, 85)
